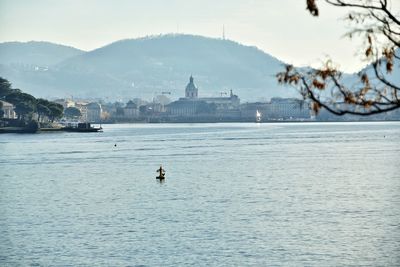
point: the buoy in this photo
(161, 173)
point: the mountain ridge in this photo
(32, 52)
(144, 66)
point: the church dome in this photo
(191, 89)
(191, 85)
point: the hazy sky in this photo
(282, 28)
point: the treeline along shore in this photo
(21, 112)
(31, 113)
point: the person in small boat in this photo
(161, 172)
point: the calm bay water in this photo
(325, 194)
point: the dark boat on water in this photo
(161, 173)
(82, 127)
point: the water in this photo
(323, 194)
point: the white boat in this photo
(258, 116)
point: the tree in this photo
(25, 104)
(72, 112)
(56, 111)
(42, 108)
(5, 87)
(24, 110)
(1, 110)
(375, 90)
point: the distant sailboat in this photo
(258, 116)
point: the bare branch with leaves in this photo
(374, 91)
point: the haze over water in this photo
(306, 194)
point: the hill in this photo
(146, 66)
(35, 53)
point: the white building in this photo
(93, 113)
(287, 108)
(8, 110)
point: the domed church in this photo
(191, 105)
(191, 90)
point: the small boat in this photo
(258, 116)
(82, 127)
(161, 173)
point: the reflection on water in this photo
(307, 194)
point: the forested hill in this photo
(142, 67)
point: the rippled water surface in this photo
(235, 195)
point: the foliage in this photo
(5, 87)
(1, 110)
(72, 112)
(26, 105)
(42, 108)
(56, 111)
(375, 91)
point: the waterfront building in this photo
(8, 110)
(278, 109)
(287, 108)
(94, 112)
(131, 110)
(248, 110)
(189, 108)
(152, 109)
(225, 106)
(82, 106)
(230, 102)
(193, 105)
(157, 108)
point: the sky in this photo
(282, 28)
